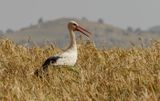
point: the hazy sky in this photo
(136, 13)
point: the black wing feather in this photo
(50, 60)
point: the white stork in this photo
(69, 56)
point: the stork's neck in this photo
(72, 40)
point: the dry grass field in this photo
(115, 74)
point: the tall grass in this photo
(100, 75)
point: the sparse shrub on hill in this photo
(100, 20)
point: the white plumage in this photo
(68, 57)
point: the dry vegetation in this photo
(110, 74)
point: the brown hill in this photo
(56, 31)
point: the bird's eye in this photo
(74, 24)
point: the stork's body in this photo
(69, 56)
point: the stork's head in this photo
(74, 26)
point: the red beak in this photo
(84, 31)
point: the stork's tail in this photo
(44, 68)
(40, 73)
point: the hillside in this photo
(155, 29)
(56, 31)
